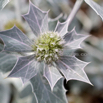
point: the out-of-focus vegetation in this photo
(10, 24)
(85, 22)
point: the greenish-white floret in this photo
(48, 47)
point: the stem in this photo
(74, 11)
(18, 13)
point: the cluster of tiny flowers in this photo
(48, 47)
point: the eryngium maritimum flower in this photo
(50, 50)
(48, 47)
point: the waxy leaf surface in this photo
(15, 41)
(37, 20)
(43, 92)
(3, 3)
(73, 40)
(25, 68)
(26, 91)
(52, 75)
(72, 68)
(7, 61)
(97, 8)
(1, 47)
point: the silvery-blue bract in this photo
(27, 67)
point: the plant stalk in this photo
(74, 11)
(17, 10)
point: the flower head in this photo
(49, 49)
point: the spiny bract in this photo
(50, 50)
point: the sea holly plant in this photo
(45, 59)
(48, 48)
